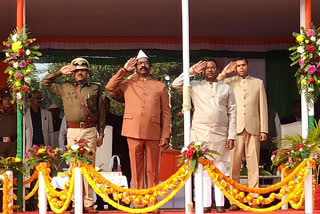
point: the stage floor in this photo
(181, 211)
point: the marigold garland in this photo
(265, 190)
(133, 210)
(58, 200)
(6, 200)
(261, 210)
(33, 191)
(32, 178)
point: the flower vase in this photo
(317, 198)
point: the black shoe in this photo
(220, 209)
(207, 209)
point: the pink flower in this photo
(14, 57)
(318, 65)
(190, 152)
(311, 69)
(301, 62)
(27, 156)
(9, 46)
(19, 76)
(310, 48)
(22, 64)
(291, 160)
(52, 155)
(180, 114)
(204, 149)
(82, 143)
(29, 61)
(310, 32)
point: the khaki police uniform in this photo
(78, 125)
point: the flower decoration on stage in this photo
(79, 152)
(13, 164)
(294, 149)
(38, 154)
(20, 54)
(194, 151)
(307, 55)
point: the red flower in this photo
(21, 52)
(311, 80)
(37, 154)
(90, 153)
(302, 72)
(8, 45)
(310, 60)
(82, 150)
(25, 88)
(310, 48)
(29, 61)
(190, 152)
(19, 76)
(52, 155)
(316, 58)
(180, 114)
(9, 159)
(299, 146)
(27, 43)
(10, 64)
(15, 90)
(318, 72)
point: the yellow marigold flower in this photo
(11, 72)
(16, 46)
(28, 71)
(17, 84)
(40, 151)
(300, 38)
(18, 160)
(318, 82)
(306, 41)
(304, 81)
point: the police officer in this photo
(8, 123)
(84, 110)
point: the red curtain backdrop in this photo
(3, 76)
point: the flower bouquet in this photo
(79, 152)
(38, 154)
(20, 53)
(194, 151)
(294, 149)
(307, 54)
(13, 164)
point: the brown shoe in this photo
(90, 210)
(234, 207)
(220, 209)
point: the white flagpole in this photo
(186, 83)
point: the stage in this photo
(181, 211)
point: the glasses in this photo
(143, 62)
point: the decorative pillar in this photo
(78, 191)
(186, 95)
(20, 24)
(42, 195)
(198, 189)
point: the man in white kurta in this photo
(214, 119)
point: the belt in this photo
(81, 125)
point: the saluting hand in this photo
(199, 67)
(67, 69)
(231, 67)
(130, 64)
